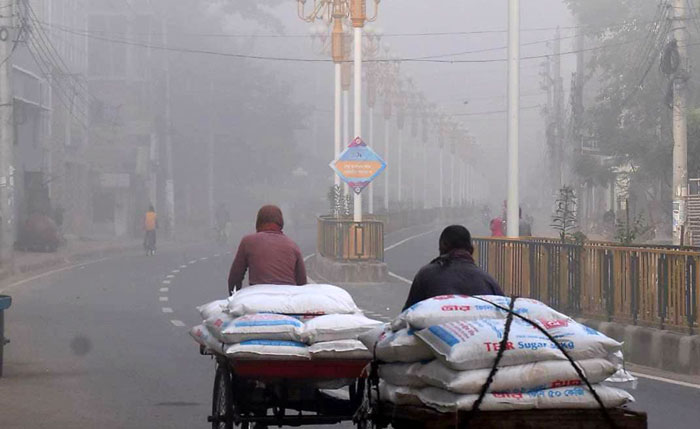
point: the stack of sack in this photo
(279, 322)
(439, 353)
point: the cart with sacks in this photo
(286, 356)
(493, 362)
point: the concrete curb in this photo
(348, 272)
(655, 348)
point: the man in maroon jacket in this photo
(271, 256)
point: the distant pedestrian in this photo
(496, 227)
(150, 224)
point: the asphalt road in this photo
(105, 344)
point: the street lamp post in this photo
(513, 118)
(358, 17)
(333, 11)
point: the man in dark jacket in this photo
(454, 272)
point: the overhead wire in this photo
(44, 62)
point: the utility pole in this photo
(513, 117)
(7, 135)
(680, 124)
(169, 173)
(558, 113)
(210, 158)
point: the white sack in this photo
(371, 337)
(399, 395)
(402, 346)
(518, 378)
(201, 334)
(457, 308)
(217, 322)
(474, 344)
(402, 374)
(268, 350)
(282, 299)
(339, 349)
(333, 327)
(209, 310)
(563, 397)
(262, 326)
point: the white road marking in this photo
(666, 380)
(162, 298)
(398, 277)
(183, 266)
(192, 261)
(178, 323)
(166, 282)
(169, 276)
(216, 255)
(52, 272)
(167, 310)
(203, 259)
(175, 271)
(306, 259)
(408, 239)
(164, 289)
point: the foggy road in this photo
(106, 345)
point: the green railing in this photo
(654, 287)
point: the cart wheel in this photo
(222, 404)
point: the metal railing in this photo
(345, 240)
(640, 286)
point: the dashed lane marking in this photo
(204, 258)
(178, 323)
(162, 298)
(175, 271)
(193, 261)
(183, 266)
(164, 289)
(216, 255)
(166, 282)
(167, 310)
(169, 276)
(398, 277)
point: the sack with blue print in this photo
(268, 350)
(459, 308)
(402, 346)
(474, 344)
(262, 326)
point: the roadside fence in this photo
(646, 286)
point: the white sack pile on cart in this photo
(441, 351)
(280, 322)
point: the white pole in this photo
(387, 125)
(452, 179)
(400, 181)
(338, 117)
(425, 175)
(210, 162)
(513, 119)
(412, 169)
(371, 141)
(441, 178)
(358, 107)
(346, 128)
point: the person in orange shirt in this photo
(150, 225)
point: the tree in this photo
(630, 119)
(564, 218)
